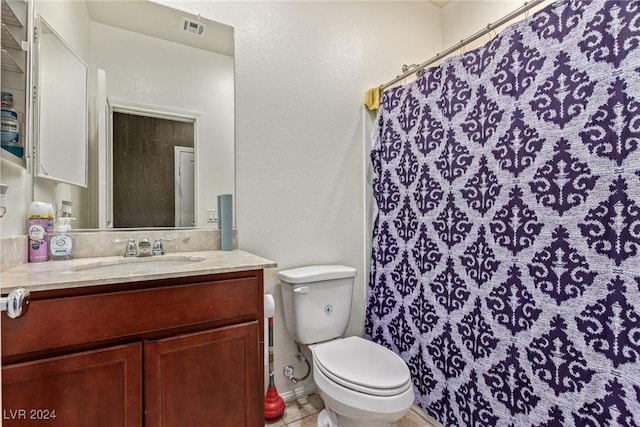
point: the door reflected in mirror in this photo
(152, 172)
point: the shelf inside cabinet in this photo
(9, 64)
(14, 12)
(12, 159)
(8, 40)
(13, 32)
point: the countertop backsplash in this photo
(90, 244)
(13, 251)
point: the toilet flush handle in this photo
(301, 290)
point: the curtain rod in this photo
(490, 27)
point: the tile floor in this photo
(304, 413)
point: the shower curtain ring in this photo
(406, 67)
(492, 33)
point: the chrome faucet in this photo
(144, 247)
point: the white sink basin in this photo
(137, 265)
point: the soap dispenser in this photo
(62, 244)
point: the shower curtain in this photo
(505, 268)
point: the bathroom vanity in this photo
(181, 346)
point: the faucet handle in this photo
(130, 249)
(158, 246)
(158, 249)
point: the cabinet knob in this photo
(16, 304)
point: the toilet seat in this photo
(363, 366)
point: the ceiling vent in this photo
(192, 27)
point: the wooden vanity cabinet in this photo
(219, 394)
(164, 353)
(98, 388)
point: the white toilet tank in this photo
(317, 301)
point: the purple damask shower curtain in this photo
(505, 267)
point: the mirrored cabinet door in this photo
(61, 109)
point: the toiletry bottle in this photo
(66, 209)
(10, 126)
(40, 225)
(62, 245)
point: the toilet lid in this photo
(363, 366)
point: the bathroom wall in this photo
(302, 69)
(462, 18)
(18, 197)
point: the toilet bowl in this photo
(362, 383)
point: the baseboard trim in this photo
(298, 393)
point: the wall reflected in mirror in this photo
(150, 66)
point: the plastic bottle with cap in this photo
(10, 126)
(63, 244)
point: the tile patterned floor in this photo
(304, 413)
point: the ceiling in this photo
(161, 22)
(440, 3)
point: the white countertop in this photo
(52, 275)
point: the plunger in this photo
(273, 403)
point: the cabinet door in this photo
(94, 388)
(210, 378)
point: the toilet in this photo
(362, 383)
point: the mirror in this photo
(61, 135)
(155, 62)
